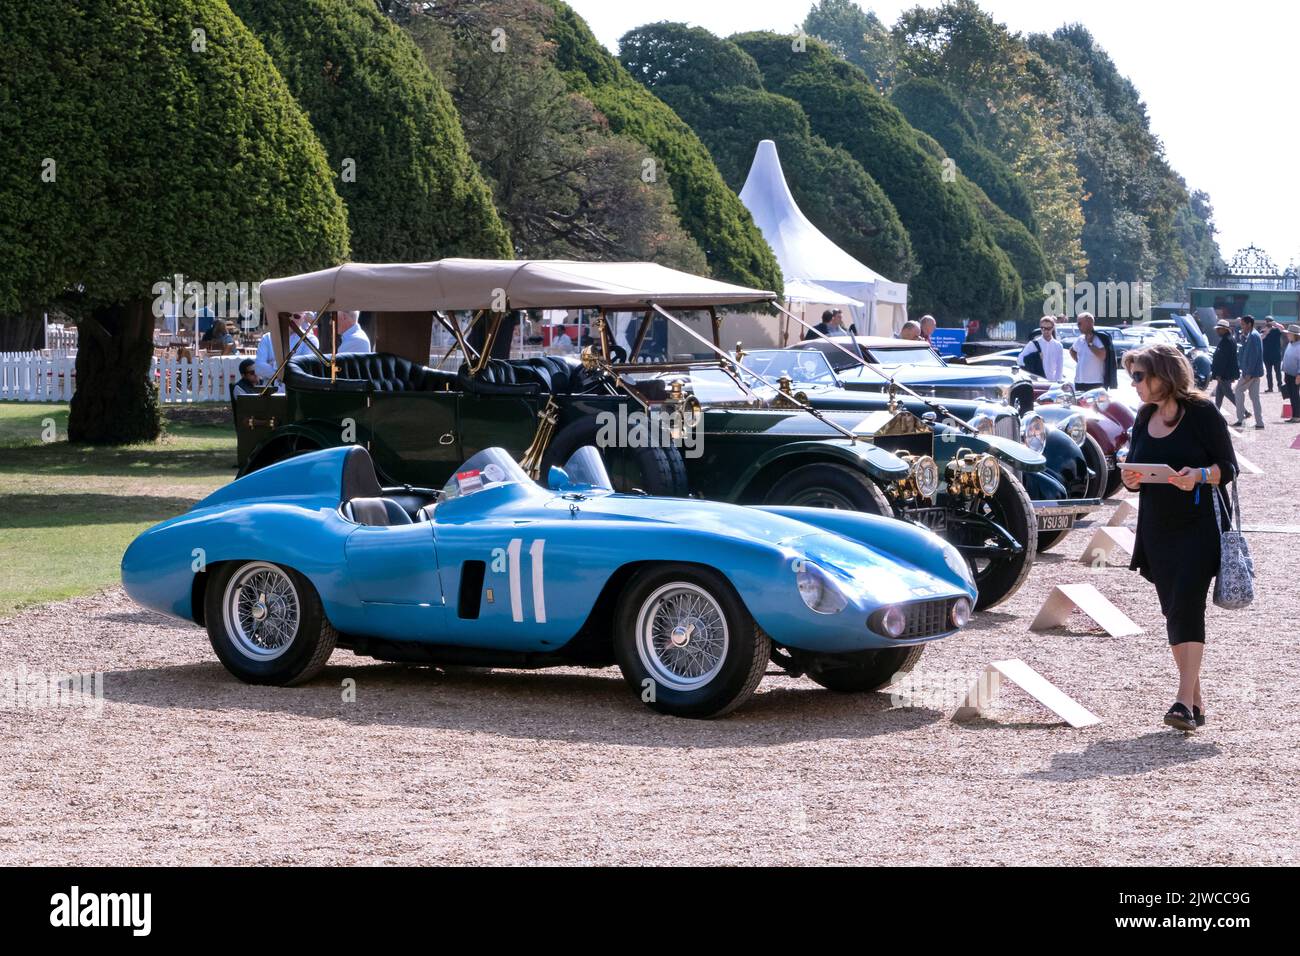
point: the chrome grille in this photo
(1007, 426)
(924, 619)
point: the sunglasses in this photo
(1137, 376)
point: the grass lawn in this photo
(67, 512)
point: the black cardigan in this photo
(1212, 432)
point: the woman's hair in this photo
(1163, 362)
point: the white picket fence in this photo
(35, 377)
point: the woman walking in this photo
(1177, 545)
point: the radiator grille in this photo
(924, 619)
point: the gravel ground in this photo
(183, 765)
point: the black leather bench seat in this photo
(366, 372)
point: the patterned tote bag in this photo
(1234, 588)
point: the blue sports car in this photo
(692, 599)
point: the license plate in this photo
(936, 519)
(1051, 522)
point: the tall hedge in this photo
(1010, 234)
(716, 87)
(963, 272)
(711, 212)
(411, 189)
(175, 148)
(931, 107)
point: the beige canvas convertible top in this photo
(495, 284)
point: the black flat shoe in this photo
(1198, 715)
(1180, 718)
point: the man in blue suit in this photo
(1251, 360)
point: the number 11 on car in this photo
(535, 550)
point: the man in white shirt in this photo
(352, 338)
(1091, 351)
(265, 363)
(1044, 355)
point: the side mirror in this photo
(557, 479)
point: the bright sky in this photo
(1219, 81)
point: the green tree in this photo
(711, 213)
(963, 272)
(855, 34)
(566, 184)
(1008, 92)
(139, 139)
(389, 128)
(829, 185)
(1134, 197)
(932, 107)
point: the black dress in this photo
(1177, 545)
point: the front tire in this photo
(266, 623)
(686, 643)
(862, 671)
(829, 485)
(999, 578)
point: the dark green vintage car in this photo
(654, 430)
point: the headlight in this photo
(961, 611)
(958, 564)
(891, 621)
(1076, 428)
(819, 590)
(925, 474)
(1097, 398)
(1034, 432)
(989, 474)
(983, 424)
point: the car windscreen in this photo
(802, 365)
(489, 468)
(586, 468)
(920, 355)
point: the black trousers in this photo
(1291, 391)
(1182, 565)
(1273, 367)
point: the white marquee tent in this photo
(808, 257)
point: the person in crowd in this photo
(823, 328)
(911, 331)
(265, 362)
(1223, 369)
(1274, 342)
(1251, 362)
(1290, 371)
(1094, 356)
(928, 325)
(248, 383)
(843, 325)
(351, 337)
(218, 338)
(1043, 354)
(1177, 541)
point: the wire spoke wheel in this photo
(682, 636)
(261, 611)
